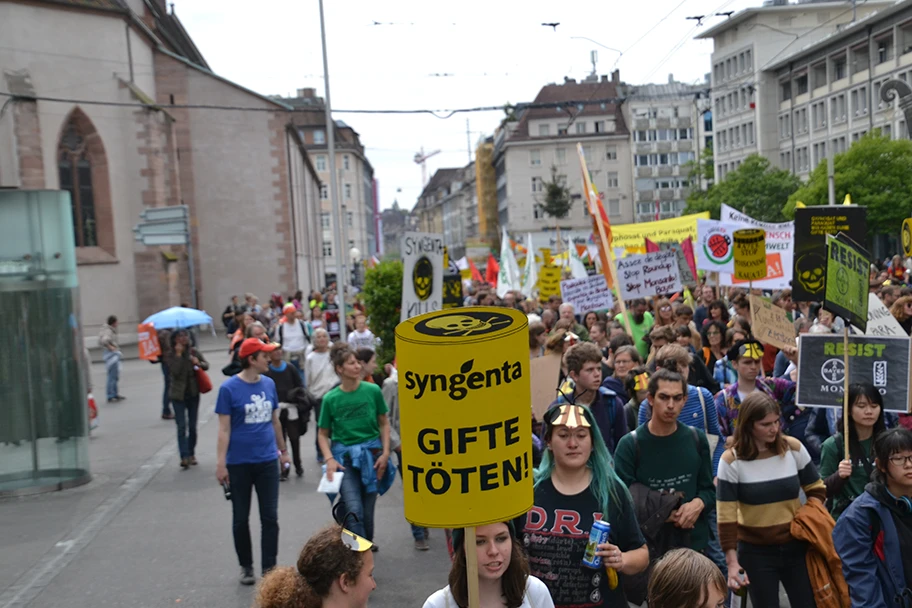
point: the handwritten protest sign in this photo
(548, 282)
(881, 321)
(774, 270)
(660, 273)
(464, 404)
(149, 348)
(770, 324)
(630, 277)
(590, 293)
(750, 254)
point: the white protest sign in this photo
(880, 321)
(630, 277)
(587, 294)
(780, 240)
(714, 246)
(661, 275)
(422, 273)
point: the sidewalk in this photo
(207, 343)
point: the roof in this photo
(646, 91)
(889, 8)
(170, 28)
(746, 14)
(442, 177)
(573, 91)
(104, 5)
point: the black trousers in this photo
(768, 565)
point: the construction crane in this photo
(421, 159)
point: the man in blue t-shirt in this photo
(250, 444)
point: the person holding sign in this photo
(846, 477)
(503, 573)
(353, 417)
(575, 486)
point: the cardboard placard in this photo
(549, 282)
(464, 401)
(422, 273)
(749, 246)
(846, 291)
(881, 361)
(881, 321)
(812, 225)
(661, 275)
(545, 374)
(770, 324)
(149, 348)
(587, 294)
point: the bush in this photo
(382, 297)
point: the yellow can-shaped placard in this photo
(465, 420)
(750, 253)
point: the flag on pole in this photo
(600, 224)
(508, 278)
(476, 274)
(492, 270)
(530, 272)
(577, 268)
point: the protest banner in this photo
(881, 321)
(660, 273)
(464, 402)
(630, 277)
(779, 240)
(590, 293)
(545, 375)
(770, 324)
(749, 246)
(549, 282)
(812, 225)
(846, 290)
(714, 246)
(881, 361)
(422, 273)
(149, 348)
(906, 237)
(632, 236)
(681, 254)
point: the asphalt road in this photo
(146, 533)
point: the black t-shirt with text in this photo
(555, 532)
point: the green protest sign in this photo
(846, 293)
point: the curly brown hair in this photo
(323, 560)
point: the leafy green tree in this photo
(557, 196)
(382, 297)
(755, 188)
(875, 171)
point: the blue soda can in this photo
(597, 535)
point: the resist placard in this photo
(465, 402)
(882, 361)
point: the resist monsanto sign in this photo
(464, 398)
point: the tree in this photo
(875, 171)
(382, 297)
(557, 196)
(755, 188)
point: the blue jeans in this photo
(358, 502)
(417, 531)
(166, 396)
(264, 476)
(113, 377)
(186, 413)
(714, 550)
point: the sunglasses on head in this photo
(349, 538)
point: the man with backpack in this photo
(292, 335)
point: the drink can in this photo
(597, 535)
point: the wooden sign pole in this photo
(846, 406)
(471, 556)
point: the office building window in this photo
(327, 249)
(535, 158)
(348, 191)
(611, 153)
(324, 221)
(345, 162)
(324, 192)
(599, 126)
(612, 179)
(544, 130)
(580, 127)
(321, 162)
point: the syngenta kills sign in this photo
(464, 398)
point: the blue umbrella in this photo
(178, 317)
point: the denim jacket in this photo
(361, 457)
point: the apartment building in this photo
(669, 129)
(746, 95)
(448, 205)
(829, 92)
(526, 149)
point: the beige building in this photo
(668, 132)
(140, 144)
(448, 205)
(526, 149)
(747, 96)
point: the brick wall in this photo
(28, 140)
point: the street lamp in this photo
(355, 255)
(895, 88)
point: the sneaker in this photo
(422, 545)
(120, 398)
(427, 534)
(299, 472)
(185, 463)
(247, 577)
(193, 461)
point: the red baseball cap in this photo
(289, 308)
(251, 346)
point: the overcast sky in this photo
(435, 55)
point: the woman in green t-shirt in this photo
(845, 478)
(355, 438)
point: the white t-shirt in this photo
(362, 339)
(537, 596)
(293, 336)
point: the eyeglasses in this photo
(665, 309)
(901, 461)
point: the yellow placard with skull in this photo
(464, 399)
(422, 273)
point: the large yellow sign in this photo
(465, 424)
(674, 230)
(750, 254)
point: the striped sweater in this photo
(757, 499)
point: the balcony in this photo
(685, 146)
(644, 147)
(644, 171)
(641, 123)
(665, 171)
(663, 123)
(684, 122)
(664, 146)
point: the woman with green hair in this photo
(575, 486)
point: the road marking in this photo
(28, 586)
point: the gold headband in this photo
(355, 542)
(642, 382)
(751, 351)
(571, 416)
